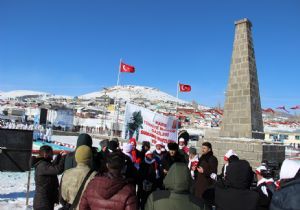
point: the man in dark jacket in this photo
(110, 191)
(234, 192)
(206, 169)
(287, 197)
(102, 155)
(177, 196)
(145, 147)
(83, 139)
(46, 181)
(173, 156)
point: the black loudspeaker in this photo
(43, 116)
(15, 150)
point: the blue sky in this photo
(74, 47)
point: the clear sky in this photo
(74, 47)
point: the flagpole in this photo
(118, 80)
(116, 97)
(177, 119)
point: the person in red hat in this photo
(135, 154)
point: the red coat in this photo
(109, 193)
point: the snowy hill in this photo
(21, 93)
(32, 94)
(130, 92)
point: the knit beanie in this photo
(132, 141)
(113, 145)
(83, 154)
(84, 139)
(173, 146)
(104, 143)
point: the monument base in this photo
(253, 150)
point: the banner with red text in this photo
(145, 125)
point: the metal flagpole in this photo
(177, 119)
(116, 104)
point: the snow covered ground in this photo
(13, 185)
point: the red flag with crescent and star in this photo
(126, 68)
(184, 88)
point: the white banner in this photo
(145, 125)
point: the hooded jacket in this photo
(287, 198)
(177, 196)
(83, 139)
(234, 193)
(109, 192)
(72, 180)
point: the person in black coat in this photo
(234, 192)
(265, 187)
(145, 148)
(46, 181)
(229, 157)
(206, 171)
(83, 139)
(149, 175)
(173, 156)
(102, 155)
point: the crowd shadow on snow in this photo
(15, 195)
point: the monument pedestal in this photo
(253, 150)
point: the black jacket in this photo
(234, 193)
(168, 160)
(288, 197)
(46, 182)
(265, 196)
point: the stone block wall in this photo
(254, 151)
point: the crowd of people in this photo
(175, 177)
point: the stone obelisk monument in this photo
(242, 125)
(242, 111)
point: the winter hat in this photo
(181, 140)
(104, 143)
(193, 150)
(132, 141)
(289, 168)
(116, 140)
(260, 169)
(83, 154)
(158, 143)
(228, 154)
(84, 139)
(148, 153)
(173, 146)
(127, 148)
(113, 146)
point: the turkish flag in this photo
(127, 68)
(184, 88)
